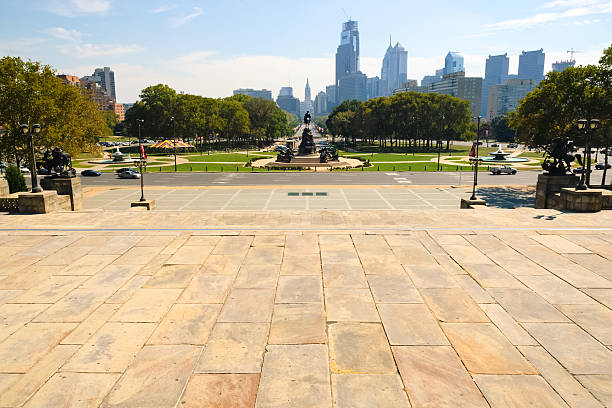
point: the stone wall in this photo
(548, 186)
(4, 187)
(66, 186)
(43, 203)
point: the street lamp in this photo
(25, 129)
(173, 140)
(587, 126)
(142, 198)
(476, 161)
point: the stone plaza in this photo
(420, 307)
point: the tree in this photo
(31, 93)
(15, 180)
(501, 130)
(234, 119)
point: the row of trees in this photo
(31, 93)
(408, 120)
(238, 120)
(555, 106)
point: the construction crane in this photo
(572, 52)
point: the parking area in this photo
(297, 198)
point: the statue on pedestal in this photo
(307, 118)
(58, 163)
(558, 160)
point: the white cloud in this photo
(163, 9)
(65, 34)
(179, 21)
(72, 8)
(579, 9)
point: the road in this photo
(339, 178)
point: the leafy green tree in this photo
(15, 180)
(111, 120)
(501, 130)
(31, 93)
(234, 120)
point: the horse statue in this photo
(58, 163)
(307, 118)
(558, 159)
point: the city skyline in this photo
(197, 53)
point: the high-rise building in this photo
(453, 63)
(353, 86)
(347, 55)
(119, 110)
(460, 86)
(307, 94)
(531, 65)
(287, 102)
(394, 70)
(254, 93)
(429, 79)
(332, 96)
(496, 72)
(505, 98)
(106, 80)
(561, 65)
(320, 104)
(373, 88)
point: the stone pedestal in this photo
(581, 200)
(549, 185)
(42, 203)
(466, 203)
(4, 188)
(147, 204)
(66, 186)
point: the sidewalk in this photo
(421, 308)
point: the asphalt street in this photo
(339, 178)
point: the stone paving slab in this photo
(297, 309)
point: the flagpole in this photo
(476, 162)
(142, 198)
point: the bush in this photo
(15, 180)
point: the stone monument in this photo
(307, 146)
(557, 165)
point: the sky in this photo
(212, 47)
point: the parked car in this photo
(129, 174)
(43, 172)
(494, 145)
(578, 170)
(90, 173)
(512, 145)
(503, 170)
(121, 170)
(24, 170)
(601, 166)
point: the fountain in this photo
(502, 157)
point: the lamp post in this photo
(142, 198)
(587, 126)
(173, 140)
(476, 162)
(25, 129)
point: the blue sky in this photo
(211, 47)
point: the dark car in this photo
(43, 172)
(601, 166)
(494, 145)
(121, 170)
(578, 170)
(90, 173)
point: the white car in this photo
(24, 170)
(129, 174)
(503, 170)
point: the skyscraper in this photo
(307, 96)
(394, 72)
(531, 65)
(254, 93)
(453, 63)
(307, 105)
(287, 102)
(374, 86)
(332, 94)
(350, 82)
(320, 104)
(107, 81)
(561, 65)
(496, 72)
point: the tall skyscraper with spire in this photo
(350, 81)
(307, 96)
(394, 72)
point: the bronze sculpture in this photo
(58, 163)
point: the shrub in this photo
(15, 180)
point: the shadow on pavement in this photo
(508, 197)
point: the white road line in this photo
(269, 199)
(392, 174)
(384, 200)
(230, 200)
(346, 199)
(193, 199)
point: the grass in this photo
(384, 157)
(532, 154)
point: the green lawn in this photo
(532, 154)
(227, 157)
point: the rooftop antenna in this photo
(572, 52)
(345, 13)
